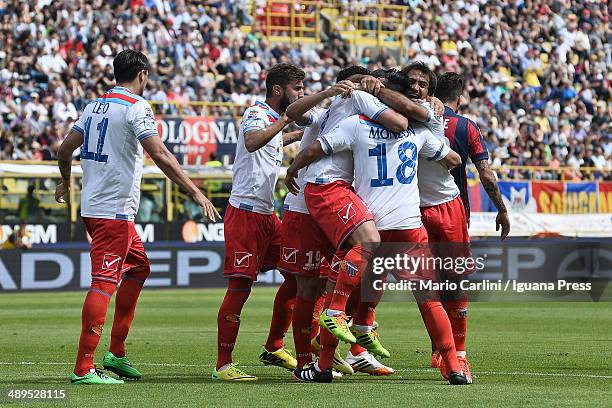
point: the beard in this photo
(284, 103)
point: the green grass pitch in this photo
(522, 354)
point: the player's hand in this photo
(437, 105)
(502, 221)
(290, 181)
(208, 209)
(286, 120)
(60, 192)
(371, 85)
(343, 88)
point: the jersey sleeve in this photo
(313, 118)
(79, 124)
(141, 120)
(254, 119)
(433, 149)
(367, 104)
(476, 146)
(340, 138)
(433, 122)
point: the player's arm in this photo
(299, 111)
(292, 137)
(309, 155)
(404, 105)
(64, 160)
(435, 150)
(489, 182)
(171, 168)
(256, 139)
(372, 107)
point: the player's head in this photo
(284, 83)
(397, 81)
(450, 88)
(353, 73)
(131, 67)
(422, 80)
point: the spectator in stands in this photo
(19, 238)
(29, 206)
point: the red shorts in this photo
(337, 209)
(252, 243)
(304, 246)
(447, 228)
(115, 248)
(410, 242)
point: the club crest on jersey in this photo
(242, 259)
(349, 267)
(111, 262)
(290, 255)
(347, 212)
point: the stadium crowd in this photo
(536, 73)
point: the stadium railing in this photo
(207, 108)
(290, 21)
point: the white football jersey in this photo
(340, 166)
(293, 202)
(111, 156)
(255, 174)
(436, 184)
(386, 166)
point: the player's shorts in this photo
(115, 248)
(337, 210)
(252, 243)
(410, 242)
(447, 229)
(304, 246)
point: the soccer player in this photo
(340, 214)
(396, 219)
(252, 229)
(112, 133)
(450, 226)
(302, 253)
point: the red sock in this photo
(329, 342)
(284, 302)
(439, 329)
(302, 325)
(353, 301)
(318, 308)
(457, 311)
(92, 323)
(354, 263)
(228, 318)
(125, 306)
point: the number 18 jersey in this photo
(111, 156)
(386, 166)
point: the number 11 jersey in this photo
(111, 156)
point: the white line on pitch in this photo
(575, 375)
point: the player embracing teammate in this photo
(252, 229)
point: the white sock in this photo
(332, 312)
(316, 366)
(224, 367)
(461, 354)
(363, 328)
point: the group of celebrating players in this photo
(373, 172)
(372, 179)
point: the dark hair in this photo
(450, 87)
(350, 71)
(128, 63)
(422, 67)
(282, 74)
